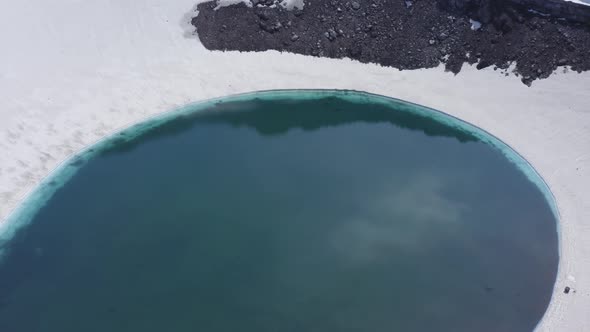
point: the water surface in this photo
(334, 213)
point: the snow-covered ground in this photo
(73, 71)
(583, 2)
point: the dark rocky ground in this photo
(404, 35)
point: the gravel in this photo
(390, 33)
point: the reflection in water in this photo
(284, 215)
(297, 114)
(421, 212)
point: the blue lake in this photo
(317, 211)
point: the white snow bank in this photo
(225, 3)
(581, 2)
(290, 4)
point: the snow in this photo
(581, 2)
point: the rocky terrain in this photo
(403, 34)
(488, 11)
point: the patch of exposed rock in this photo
(403, 34)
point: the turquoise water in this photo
(287, 211)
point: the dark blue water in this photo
(325, 214)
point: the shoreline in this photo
(56, 104)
